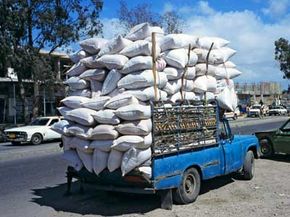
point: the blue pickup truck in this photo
(192, 143)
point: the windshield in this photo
(256, 107)
(39, 122)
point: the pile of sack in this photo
(107, 112)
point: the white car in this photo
(234, 115)
(36, 132)
(278, 110)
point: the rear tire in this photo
(36, 139)
(266, 148)
(189, 187)
(249, 166)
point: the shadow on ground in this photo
(279, 157)
(216, 183)
(94, 202)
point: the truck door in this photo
(282, 139)
(233, 153)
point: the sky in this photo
(251, 26)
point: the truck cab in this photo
(191, 144)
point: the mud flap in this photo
(166, 199)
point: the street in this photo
(33, 182)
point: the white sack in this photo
(145, 94)
(176, 58)
(173, 73)
(205, 42)
(73, 102)
(227, 99)
(100, 161)
(87, 159)
(227, 64)
(115, 160)
(146, 170)
(91, 62)
(124, 143)
(190, 74)
(106, 116)
(104, 132)
(216, 56)
(134, 158)
(82, 116)
(141, 128)
(134, 112)
(93, 45)
(115, 46)
(185, 96)
(97, 103)
(93, 74)
(201, 69)
(137, 64)
(160, 64)
(81, 144)
(80, 131)
(96, 88)
(173, 41)
(172, 86)
(60, 126)
(113, 61)
(72, 159)
(187, 85)
(111, 81)
(121, 100)
(75, 83)
(205, 83)
(139, 32)
(227, 73)
(76, 70)
(66, 142)
(77, 56)
(139, 48)
(64, 110)
(102, 145)
(84, 92)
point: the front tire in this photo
(266, 148)
(36, 139)
(189, 188)
(249, 166)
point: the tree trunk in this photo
(36, 99)
(26, 116)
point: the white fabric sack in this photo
(158, 30)
(139, 32)
(93, 45)
(216, 56)
(134, 158)
(172, 86)
(223, 83)
(134, 112)
(190, 74)
(193, 58)
(66, 142)
(201, 69)
(116, 92)
(137, 64)
(87, 159)
(186, 96)
(97, 103)
(102, 145)
(64, 110)
(150, 94)
(205, 42)
(115, 160)
(80, 131)
(146, 170)
(73, 102)
(113, 61)
(76, 70)
(106, 116)
(96, 88)
(139, 48)
(81, 144)
(72, 159)
(111, 81)
(227, 99)
(93, 74)
(124, 143)
(82, 116)
(60, 126)
(173, 73)
(100, 161)
(227, 73)
(160, 64)
(121, 100)
(75, 83)
(187, 85)
(77, 56)
(142, 79)
(176, 58)
(141, 128)
(147, 141)
(104, 132)
(173, 41)
(205, 83)
(227, 64)
(91, 62)
(84, 92)
(115, 46)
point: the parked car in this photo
(36, 132)
(233, 115)
(275, 141)
(255, 110)
(277, 110)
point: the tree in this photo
(138, 14)
(27, 26)
(282, 55)
(172, 22)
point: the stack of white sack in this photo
(108, 116)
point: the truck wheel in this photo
(249, 166)
(235, 117)
(266, 148)
(189, 188)
(36, 139)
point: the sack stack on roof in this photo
(107, 113)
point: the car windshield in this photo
(256, 107)
(39, 122)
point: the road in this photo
(33, 182)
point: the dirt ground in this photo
(268, 194)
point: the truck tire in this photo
(189, 187)
(249, 166)
(36, 139)
(266, 148)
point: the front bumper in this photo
(16, 136)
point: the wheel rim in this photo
(253, 165)
(189, 184)
(265, 147)
(36, 139)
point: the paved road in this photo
(32, 182)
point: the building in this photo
(11, 107)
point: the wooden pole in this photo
(154, 70)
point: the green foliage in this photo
(282, 55)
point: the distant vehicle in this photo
(277, 110)
(256, 111)
(233, 115)
(275, 141)
(36, 132)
